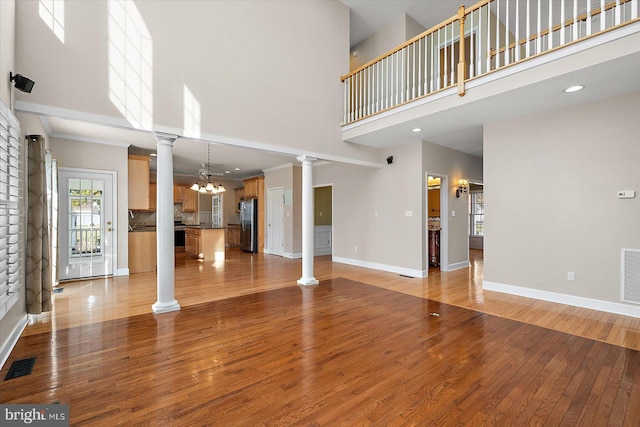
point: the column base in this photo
(165, 307)
(307, 281)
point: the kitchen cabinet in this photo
(178, 191)
(153, 193)
(142, 251)
(239, 197)
(251, 187)
(138, 173)
(205, 243)
(189, 200)
(233, 235)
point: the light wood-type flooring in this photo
(250, 347)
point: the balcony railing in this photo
(496, 34)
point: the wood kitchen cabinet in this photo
(233, 235)
(178, 191)
(204, 243)
(142, 251)
(239, 198)
(251, 187)
(153, 193)
(138, 173)
(189, 200)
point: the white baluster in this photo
(617, 12)
(517, 46)
(345, 102)
(472, 56)
(550, 34)
(488, 37)
(506, 35)
(438, 77)
(602, 16)
(588, 17)
(575, 20)
(634, 9)
(562, 19)
(396, 76)
(527, 50)
(413, 69)
(433, 64)
(539, 28)
(426, 65)
(497, 34)
(453, 64)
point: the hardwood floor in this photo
(364, 347)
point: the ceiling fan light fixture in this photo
(195, 187)
(221, 188)
(202, 190)
(209, 187)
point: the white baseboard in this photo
(122, 272)
(13, 338)
(384, 267)
(593, 304)
(323, 251)
(292, 256)
(458, 265)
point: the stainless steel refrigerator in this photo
(249, 225)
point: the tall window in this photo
(216, 211)
(476, 214)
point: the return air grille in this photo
(631, 275)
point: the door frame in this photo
(332, 211)
(114, 214)
(444, 221)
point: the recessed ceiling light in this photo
(573, 89)
(227, 171)
(416, 130)
(153, 155)
(237, 169)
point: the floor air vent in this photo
(631, 275)
(20, 368)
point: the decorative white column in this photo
(307, 221)
(164, 225)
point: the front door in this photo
(275, 221)
(86, 229)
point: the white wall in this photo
(439, 160)
(273, 65)
(7, 48)
(289, 178)
(395, 33)
(551, 183)
(84, 155)
(370, 207)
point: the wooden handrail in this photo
(413, 40)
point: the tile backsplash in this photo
(149, 218)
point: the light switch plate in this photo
(626, 194)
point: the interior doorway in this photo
(323, 220)
(436, 237)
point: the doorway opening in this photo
(323, 220)
(436, 230)
(476, 220)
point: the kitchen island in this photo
(205, 243)
(142, 250)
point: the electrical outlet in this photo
(453, 213)
(408, 213)
(355, 249)
(571, 276)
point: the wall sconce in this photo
(21, 82)
(463, 187)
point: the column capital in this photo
(306, 159)
(166, 138)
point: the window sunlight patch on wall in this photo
(130, 64)
(52, 13)
(191, 114)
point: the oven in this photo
(178, 236)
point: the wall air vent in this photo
(631, 275)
